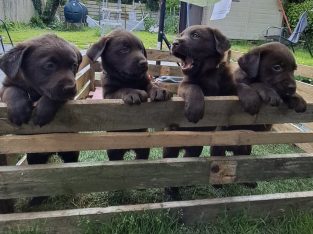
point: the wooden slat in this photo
(110, 114)
(162, 70)
(192, 212)
(84, 92)
(306, 147)
(158, 55)
(82, 77)
(59, 142)
(71, 178)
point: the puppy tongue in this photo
(187, 63)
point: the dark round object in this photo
(75, 12)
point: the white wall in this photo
(248, 19)
(17, 10)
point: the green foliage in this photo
(172, 4)
(149, 22)
(36, 22)
(294, 10)
(152, 5)
(47, 13)
(171, 24)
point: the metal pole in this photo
(182, 16)
(161, 23)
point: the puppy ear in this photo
(79, 56)
(249, 63)
(222, 44)
(11, 62)
(95, 51)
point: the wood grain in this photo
(72, 178)
(104, 115)
(59, 142)
(192, 212)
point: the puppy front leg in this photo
(45, 110)
(194, 101)
(158, 94)
(129, 96)
(268, 94)
(19, 105)
(296, 102)
(249, 98)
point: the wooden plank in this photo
(82, 77)
(72, 178)
(113, 114)
(59, 142)
(84, 92)
(159, 55)
(192, 212)
(306, 147)
(162, 70)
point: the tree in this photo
(47, 13)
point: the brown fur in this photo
(41, 73)
(266, 75)
(206, 73)
(125, 65)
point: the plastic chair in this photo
(294, 38)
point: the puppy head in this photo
(122, 54)
(47, 64)
(272, 64)
(199, 46)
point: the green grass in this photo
(84, 37)
(164, 223)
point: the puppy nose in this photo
(176, 43)
(69, 88)
(291, 88)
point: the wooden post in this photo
(6, 205)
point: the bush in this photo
(294, 10)
(36, 22)
(152, 5)
(171, 24)
(149, 22)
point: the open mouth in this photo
(187, 64)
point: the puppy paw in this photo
(194, 112)
(20, 112)
(251, 102)
(297, 103)
(42, 118)
(270, 96)
(157, 94)
(135, 97)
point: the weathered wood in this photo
(41, 180)
(172, 87)
(84, 92)
(193, 212)
(104, 115)
(59, 142)
(161, 70)
(82, 77)
(306, 147)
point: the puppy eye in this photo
(277, 68)
(124, 50)
(75, 67)
(49, 66)
(195, 35)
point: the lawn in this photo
(162, 222)
(85, 37)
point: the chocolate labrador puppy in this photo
(266, 75)
(206, 73)
(201, 50)
(125, 65)
(40, 78)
